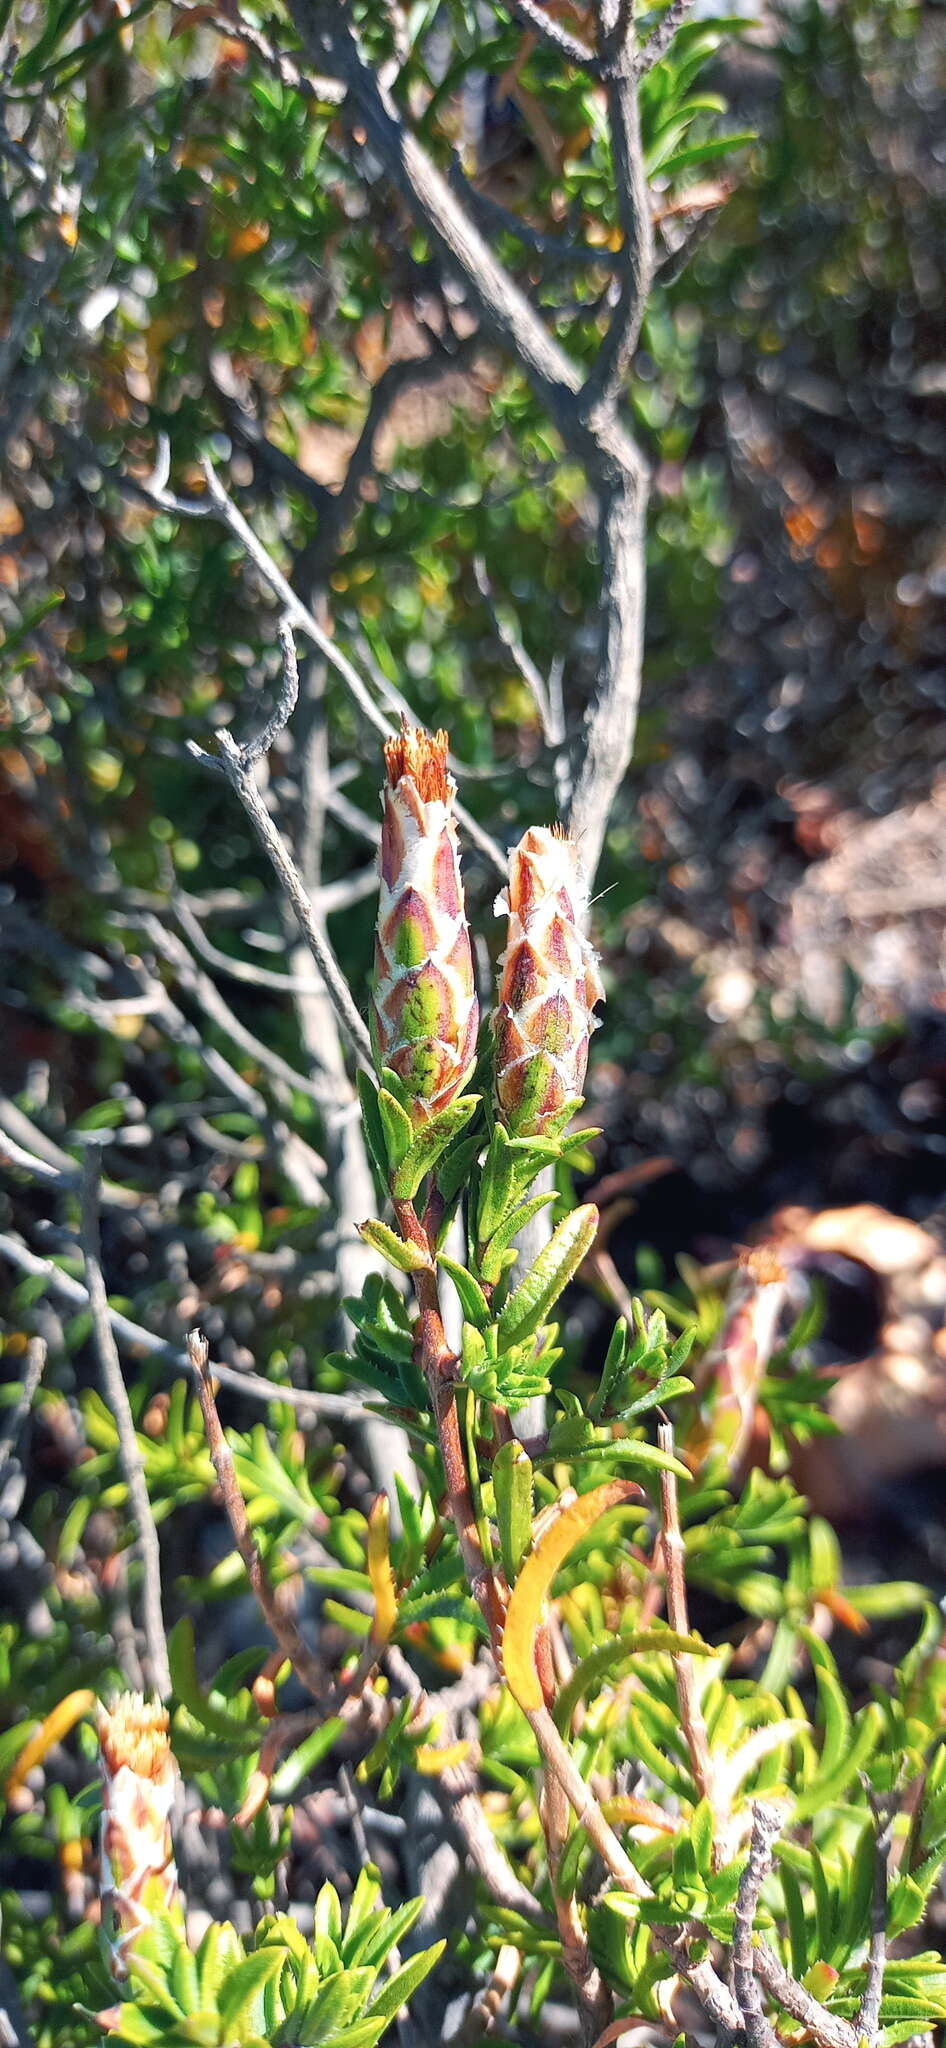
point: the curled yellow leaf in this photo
(379, 1570)
(56, 1725)
(535, 1578)
(430, 1761)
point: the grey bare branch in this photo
(116, 1396)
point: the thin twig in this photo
(333, 1407)
(522, 660)
(826, 2028)
(867, 2023)
(614, 357)
(766, 1827)
(16, 1416)
(116, 1395)
(282, 1627)
(237, 764)
(544, 25)
(684, 1667)
(219, 502)
(208, 995)
(659, 43)
(45, 1160)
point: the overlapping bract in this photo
(139, 1780)
(549, 984)
(425, 1013)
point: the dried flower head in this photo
(549, 983)
(425, 1011)
(139, 1781)
(735, 1363)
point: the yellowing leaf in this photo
(535, 1578)
(56, 1725)
(430, 1761)
(379, 1570)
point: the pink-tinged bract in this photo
(549, 984)
(425, 1014)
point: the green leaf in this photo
(456, 1165)
(491, 1258)
(476, 1308)
(601, 1661)
(827, 1789)
(631, 1451)
(407, 1258)
(699, 153)
(219, 1950)
(238, 2004)
(428, 1143)
(373, 1123)
(397, 1127)
(614, 1361)
(403, 1983)
(556, 1264)
(512, 1490)
(304, 1759)
(240, 1735)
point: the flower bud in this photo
(549, 983)
(425, 1013)
(139, 1780)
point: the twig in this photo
(282, 1627)
(485, 2007)
(522, 660)
(826, 2028)
(333, 1407)
(455, 1790)
(867, 2023)
(614, 357)
(659, 43)
(236, 763)
(218, 1010)
(16, 1416)
(116, 1394)
(551, 32)
(353, 890)
(766, 1827)
(684, 1667)
(46, 1161)
(231, 24)
(219, 504)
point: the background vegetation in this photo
(203, 261)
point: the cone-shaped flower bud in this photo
(139, 1780)
(549, 983)
(425, 1013)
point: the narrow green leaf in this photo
(473, 1301)
(407, 1258)
(244, 1987)
(614, 1360)
(491, 1258)
(403, 1983)
(373, 1124)
(555, 1266)
(427, 1145)
(305, 1757)
(397, 1127)
(240, 1735)
(512, 1490)
(601, 1661)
